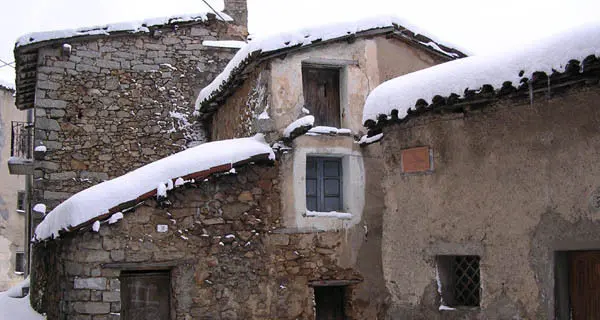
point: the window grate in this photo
(466, 280)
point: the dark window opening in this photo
(321, 87)
(460, 280)
(323, 184)
(20, 262)
(329, 303)
(21, 202)
(145, 295)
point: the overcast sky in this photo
(478, 26)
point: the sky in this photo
(477, 26)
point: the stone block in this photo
(98, 283)
(63, 175)
(47, 124)
(91, 307)
(53, 195)
(50, 103)
(279, 239)
(94, 256)
(111, 296)
(233, 210)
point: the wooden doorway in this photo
(584, 278)
(145, 295)
(321, 87)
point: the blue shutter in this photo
(323, 184)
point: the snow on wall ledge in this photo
(301, 37)
(131, 26)
(99, 199)
(551, 54)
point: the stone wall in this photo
(513, 182)
(119, 102)
(227, 256)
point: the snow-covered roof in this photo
(261, 46)
(517, 66)
(107, 198)
(7, 85)
(107, 29)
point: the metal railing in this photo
(21, 143)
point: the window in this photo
(321, 88)
(460, 280)
(21, 202)
(20, 262)
(145, 295)
(324, 184)
(329, 303)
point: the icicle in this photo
(548, 93)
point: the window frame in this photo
(446, 268)
(21, 201)
(339, 69)
(20, 262)
(321, 192)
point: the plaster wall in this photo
(12, 223)
(514, 183)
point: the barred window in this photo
(20, 262)
(460, 280)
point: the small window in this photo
(145, 295)
(321, 87)
(323, 184)
(21, 202)
(20, 262)
(329, 303)
(460, 280)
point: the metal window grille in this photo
(21, 140)
(466, 280)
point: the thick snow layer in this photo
(97, 200)
(306, 121)
(330, 214)
(236, 44)
(40, 149)
(115, 217)
(301, 37)
(40, 207)
(13, 306)
(131, 26)
(329, 130)
(368, 140)
(473, 72)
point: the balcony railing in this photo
(21, 143)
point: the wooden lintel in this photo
(333, 283)
(164, 265)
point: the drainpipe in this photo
(28, 205)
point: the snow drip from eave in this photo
(301, 37)
(97, 200)
(473, 72)
(131, 26)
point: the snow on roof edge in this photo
(135, 26)
(549, 55)
(97, 200)
(6, 85)
(301, 37)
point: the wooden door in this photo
(585, 284)
(321, 88)
(145, 296)
(329, 303)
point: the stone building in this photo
(292, 232)
(110, 99)
(12, 197)
(492, 184)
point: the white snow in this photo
(162, 228)
(13, 306)
(367, 140)
(301, 37)
(6, 85)
(115, 217)
(305, 121)
(265, 114)
(329, 130)
(224, 43)
(40, 207)
(473, 72)
(443, 307)
(131, 26)
(96, 226)
(99, 199)
(330, 214)
(179, 182)
(40, 149)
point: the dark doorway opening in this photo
(577, 285)
(145, 295)
(329, 302)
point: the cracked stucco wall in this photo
(12, 224)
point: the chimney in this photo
(238, 10)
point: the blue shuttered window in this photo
(323, 184)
